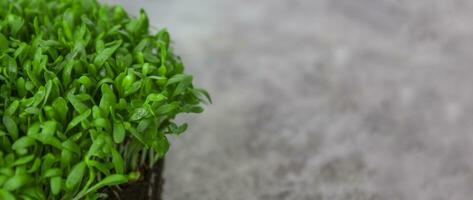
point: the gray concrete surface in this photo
(324, 99)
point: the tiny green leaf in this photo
(108, 98)
(177, 130)
(105, 54)
(75, 176)
(48, 139)
(15, 182)
(12, 108)
(114, 179)
(23, 143)
(24, 160)
(200, 91)
(3, 43)
(33, 129)
(52, 172)
(61, 107)
(49, 128)
(77, 104)
(56, 184)
(78, 119)
(139, 136)
(11, 126)
(118, 162)
(139, 113)
(118, 132)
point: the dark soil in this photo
(148, 187)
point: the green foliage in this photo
(87, 96)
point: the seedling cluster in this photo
(87, 97)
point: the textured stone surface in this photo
(324, 99)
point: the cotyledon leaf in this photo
(3, 43)
(114, 179)
(78, 119)
(108, 98)
(60, 105)
(12, 108)
(78, 105)
(11, 126)
(76, 175)
(23, 142)
(56, 184)
(24, 160)
(118, 162)
(118, 132)
(16, 182)
(106, 53)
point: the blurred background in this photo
(323, 99)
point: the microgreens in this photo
(87, 96)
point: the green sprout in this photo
(87, 97)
